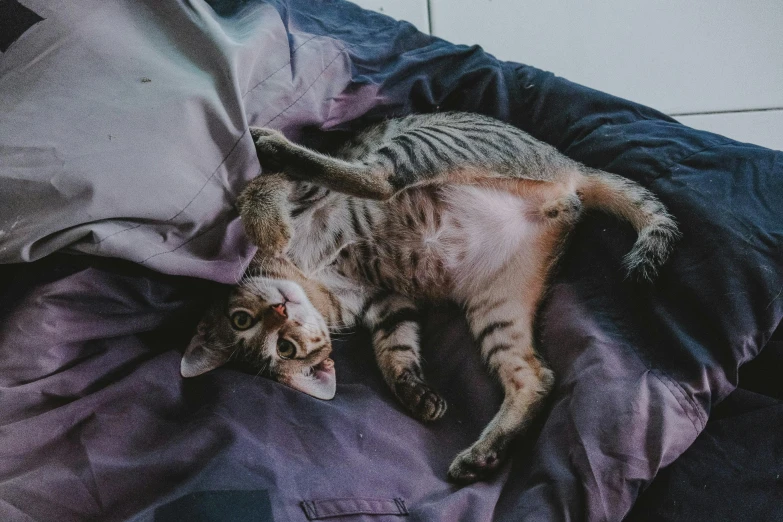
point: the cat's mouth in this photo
(319, 381)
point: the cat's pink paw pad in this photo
(474, 464)
(488, 461)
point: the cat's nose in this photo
(279, 309)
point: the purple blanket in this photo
(123, 137)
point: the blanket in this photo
(123, 145)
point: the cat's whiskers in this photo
(222, 346)
(263, 366)
(240, 275)
(237, 346)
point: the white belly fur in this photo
(483, 231)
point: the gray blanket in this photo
(123, 135)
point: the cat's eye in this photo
(242, 320)
(286, 349)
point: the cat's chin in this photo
(321, 383)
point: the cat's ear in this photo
(199, 359)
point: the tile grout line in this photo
(429, 16)
(730, 111)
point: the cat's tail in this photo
(628, 200)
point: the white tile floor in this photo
(712, 64)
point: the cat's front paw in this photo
(270, 147)
(478, 462)
(263, 211)
(421, 400)
(271, 238)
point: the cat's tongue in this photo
(321, 384)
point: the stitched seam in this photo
(393, 506)
(352, 499)
(340, 53)
(346, 46)
(661, 375)
(256, 86)
(309, 511)
(679, 395)
(293, 52)
(672, 163)
(352, 512)
(209, 178)
(658, 374)
(97, 245)
(188, 203)
(196, 236)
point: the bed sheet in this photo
(124, 137)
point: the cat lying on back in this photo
(426, 208)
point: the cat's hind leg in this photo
(277, 153)
(380, 173)
(394, 322)
(502, 328)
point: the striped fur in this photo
(427, 208)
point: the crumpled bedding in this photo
(123, 139)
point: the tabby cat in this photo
(426, 208)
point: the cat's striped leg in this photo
(277, 153)
(393, 321)
(408, 159)
(502, 329)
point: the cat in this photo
(421, 209)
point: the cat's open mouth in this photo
(320, 381)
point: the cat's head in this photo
(270, 325)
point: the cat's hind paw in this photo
(475, 463)
(421, 400)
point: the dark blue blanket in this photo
(96, 423)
